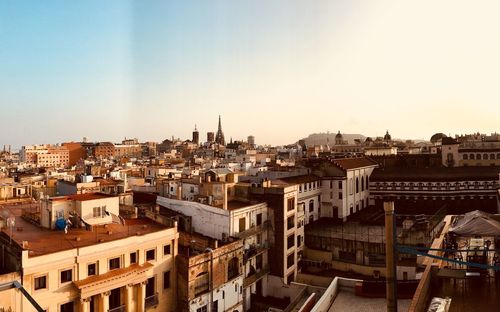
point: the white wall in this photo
(207, 220)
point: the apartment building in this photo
(209, 274)
(83, 257)
(45, 155)
(345, 185)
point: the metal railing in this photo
(118, 309)
(151, 301)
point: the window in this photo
(290, 221)
(97, 212)
(299, 240)
(166, 250)
(290, 241)
(41, 282)
(242, 223)
(114, 263)
(465, 156)
(478, 156)
(362, 183)
(340, 195)
(331, 184)
(215, 306)
(202, 309)
(133, 257)
(340, 185)
(485, 156)
(259, 219)
(300, 188)
(166, 280)
(311, 205)
(150, 254)
(67, 307)
(357, 185)
(290, 260)
(91, 269)
(66, 276)
(290, 204)
(232, 268)
(471, 156)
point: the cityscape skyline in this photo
(148, 69)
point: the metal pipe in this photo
(390, 258)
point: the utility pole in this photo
(390, 260)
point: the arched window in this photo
(311, 205)
(478, 156)
(362, 183)
(367, 179)
(232, 268)
(471, 156)
(492, 156)
(357, 185)
(485, 156)
(466, 157)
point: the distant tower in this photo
(219, 137)
(196, 136)
(339, 139)
(251, 140)
(210, 137)
(387, 136)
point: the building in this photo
(104, 150)
(45, 155)
(98, 263)
(309, 196)
(76, 152)
(344, 184)
(196, 136)
(426, 190)
(209, 274)
(210, 137)
(479, 152)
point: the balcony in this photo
(254, 250)
(253, 230)
(118, 309)
(151, 301)
(256, 276)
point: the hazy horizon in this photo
(276, 70)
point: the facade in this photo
(127, 266)
(209, 276)
(45, 155)
(344, 184)
(425, 190)
(76, 152)
(104, 150)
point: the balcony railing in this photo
(253, 230)
(118, 309)
(254, 250)
(255, 277)
(151, 301)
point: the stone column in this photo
(104, 301)
(84, 305)
(129, 297)
(141, 296)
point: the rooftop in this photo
(43, 241)
(82, 197)
(436, 174)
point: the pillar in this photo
(141, 296)
(129, 298)
(84, 305)
(104, 301)
(389, 257)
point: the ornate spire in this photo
(219, 137)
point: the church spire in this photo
(219, 137)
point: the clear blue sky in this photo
(276, 69)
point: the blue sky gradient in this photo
(276, 69)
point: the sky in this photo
(278, 70)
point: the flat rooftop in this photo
(43, 241)
(82, 197)
(348, 301)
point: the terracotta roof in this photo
(352, 163)
(301, 179)
(43, 241)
